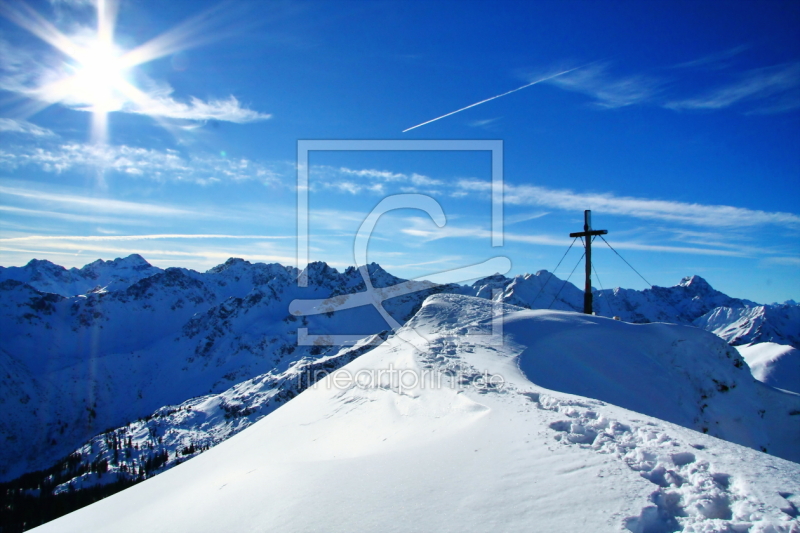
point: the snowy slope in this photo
(176, 433)
(456, 454)
(97, 276)
(774, 364)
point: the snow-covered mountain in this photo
(692, 302)
(684, 303)
(184, 360)
(97, 276)
(776, 323)
(75, 366)
(573, 423)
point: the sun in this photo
(95, 74)
(99, 78)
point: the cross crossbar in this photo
(588, 233)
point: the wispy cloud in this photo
(422, 228)
(158, 236)
(790, 261)
(97, 205)
(23, 127)
(373, 181)
(523, 217)
(485, 123)
(73, 217)
(608, 90)
(715, 60)
(384, 175)
(686, 213)
(689, 214)
(770, 89)
(162, 104)
(132, 161)
(643, 208)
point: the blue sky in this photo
(175, 135)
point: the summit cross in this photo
(588, 232)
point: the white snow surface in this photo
(777, 365)
(546, 452)
(182, 431)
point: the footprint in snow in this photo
(689, 496)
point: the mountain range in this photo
(120, 370)
(572, 423)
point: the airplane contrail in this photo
(494, 97)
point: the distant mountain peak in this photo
(231, 262)
(133, 259)
(43, 264)
(695, 282)
(320, 269)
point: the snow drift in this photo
(774, 364)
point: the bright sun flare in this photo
(96, 72)
(99, 78)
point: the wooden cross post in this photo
(588, 232)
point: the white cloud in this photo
(685, 213)
(790, 261)
(24, 127)
(607, 90)
(471, 184)
(327, 177)
(423, 228)
(715, 60)
(383, 175)
(775, 89)
(99, 205)
(155, 164)
(74, 217)
(692, 214)
(483, 123)
(158, 236)
(419, 179)
(226, 110)
(522, 217)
